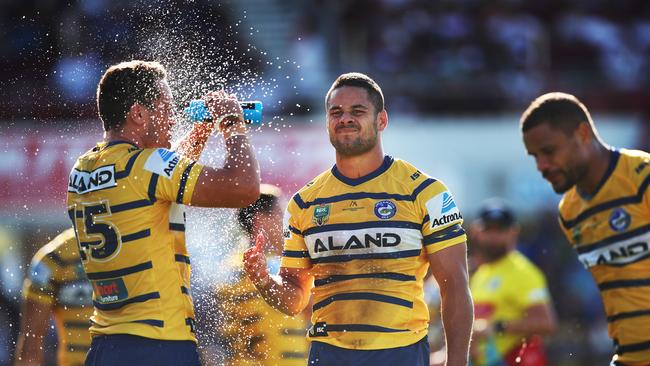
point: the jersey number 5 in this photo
(98, 238)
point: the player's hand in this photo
(255, 263)
(482, 329)
(226, 111)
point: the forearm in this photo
(457, 317)
(192, 145)
(284, 295)
(529, 325)
(241, 163)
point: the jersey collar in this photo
(388, 161)
(614, 154)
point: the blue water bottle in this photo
(197, 111)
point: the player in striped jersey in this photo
(605, 213)
(123, 200)
(57, 286)
(361, 237)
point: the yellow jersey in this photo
(366, 241)
(503, 290)
(255, 333)
(611, 233)
(125, 204)
(56, 279)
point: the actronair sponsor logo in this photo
(81, 182)
(163, 162)
(442, 210)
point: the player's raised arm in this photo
(33, 329)
(236, 184)
(449, 267)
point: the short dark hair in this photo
(560, 110)
(269, 198)
(125, 84)
(359, 80)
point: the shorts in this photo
(323, 354)
(126, 349)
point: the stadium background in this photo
(456, 75)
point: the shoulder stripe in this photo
(385, 275)
(568, 224)
(295, 253)
(581, 249)
(451, 232)
(298, 200)
(351, 257)
(137, 235)
(612, 285)
(185, 290)
(361, 195)
(176, 227)
(182, 258)
(151, 191)
(129, 165)
(54, 257)
(132, 300)
(129, 206)
(190, 322)
(152, 322)
(363, 225)
(362, 296)
(120, 272)
(181, 186)
(361, 328)
(427, 182)
(627, 315)
(632, 347)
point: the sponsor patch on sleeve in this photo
(162, 162)
(286, 232)
(442, 210)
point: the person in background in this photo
(512, 305)
(56, 286)
(251, 331)
(604, 213)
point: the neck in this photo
(124, 135)
(596, 169)
(360, 165)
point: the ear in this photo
(383, 120)
(584, 133)
(138, 114)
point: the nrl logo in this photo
(321, 214)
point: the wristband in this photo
(499, 326)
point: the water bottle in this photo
(197, 111)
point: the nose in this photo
(542, 163)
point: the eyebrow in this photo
(356, 106)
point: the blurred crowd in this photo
(442, 56)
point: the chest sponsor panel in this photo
(617, 253)
(363, 241)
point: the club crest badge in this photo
(385, 209)
(321, 214)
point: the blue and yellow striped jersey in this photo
(611, 233)
(366, 241)
(125, 204)
(56, 279)
(254, 333)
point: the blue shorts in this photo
(323, 354)
(126, 349)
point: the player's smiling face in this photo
(161, 118)
(557, 156)
(352, 121)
